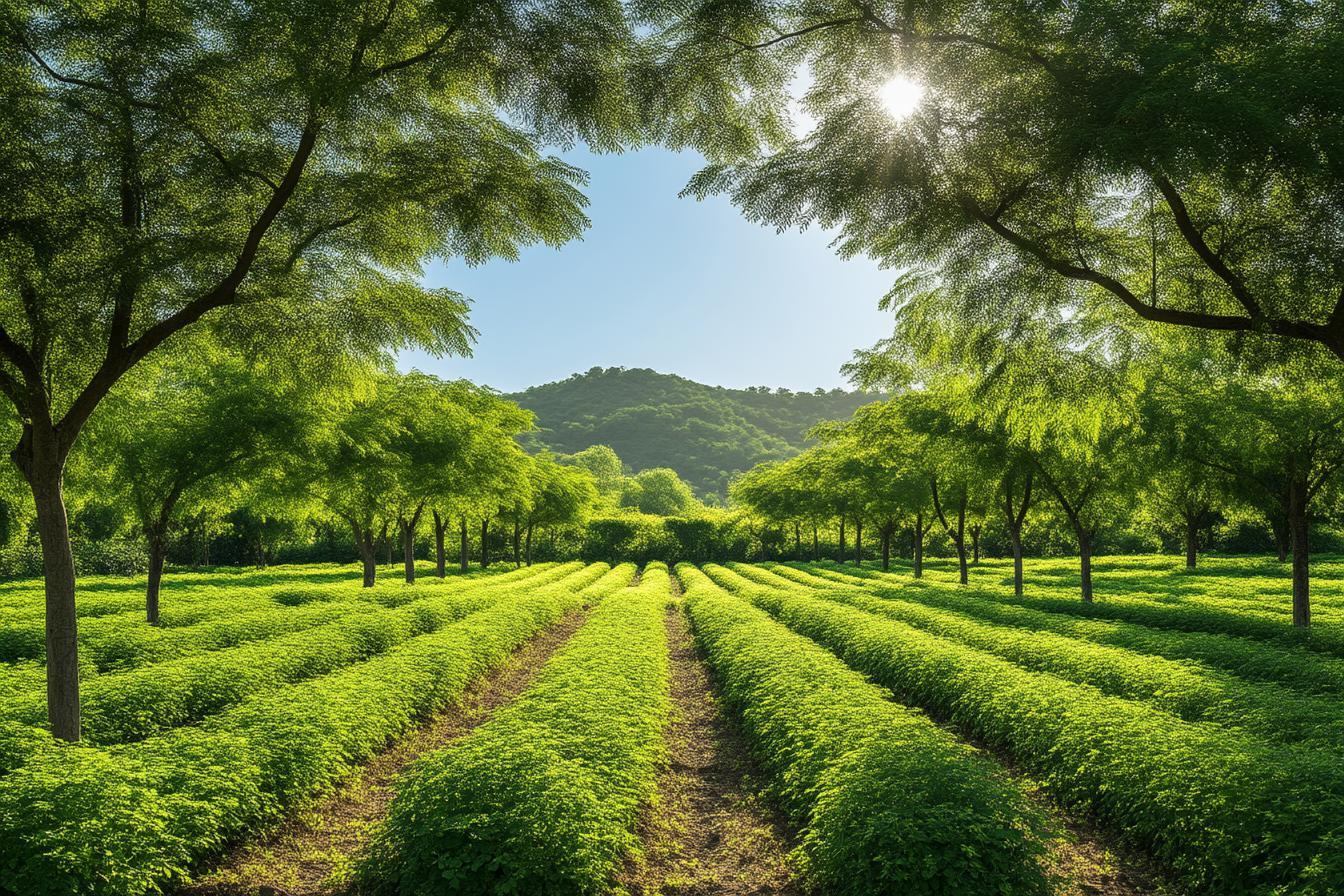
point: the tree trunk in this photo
(156, 552)
(917, 549)
(858, 542)
(408, 547)
(1299, 530)
(816, 544)
(440, 561)
(1015, 536)
(1085, 563)
(886, 548)
(367, 555)
(975, 544)
(465, 547)
(517, 544)
(842, 539)
(1191, 542)
(797, 541)
(528, 543)
(44, 470)
(485, 542)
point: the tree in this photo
(560, 495)
(1151, 158)
(268, 168)
(605, 467)
(1277, 432)
(190, 429)
(659, 491)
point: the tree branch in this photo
(1212, 260)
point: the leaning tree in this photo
(1183, 162)
(266, 166)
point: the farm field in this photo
(738, 728)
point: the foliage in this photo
(1209, 801)
(887, 801)
(544, 797)
(707, 434)
(128, 819)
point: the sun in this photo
(900, 97)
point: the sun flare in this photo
(901, 97)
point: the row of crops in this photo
(858, 693)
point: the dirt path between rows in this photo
(708, 833)
(310, 855)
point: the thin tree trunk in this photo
(1015, 536)
(858, 541)
(44, 470)
(440, 561)
(1191, 542)
(465, 546)
(485, 542)
(975, 544)
(156, 552)
(917, 549)
(408, 527)
(367, 555)
(1279, 526)
(1299, 531)
(1085, 562)
(842, 538)
(797, 541)
(816, 544)
(529, 544)
(517, 544)
(886, 548)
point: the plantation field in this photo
(763, 728)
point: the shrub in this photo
(544, 796)
(888, 802)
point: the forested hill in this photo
(705, 433)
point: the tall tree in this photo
(1180, 162)
(190, 429)
(258, 166)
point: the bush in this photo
(544, 796)
(1230, 813)
(78, 820)
(888, 802)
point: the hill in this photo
(706, 433)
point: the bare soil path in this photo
(708, 833)
(310, 855)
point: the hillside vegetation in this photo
(705, 433)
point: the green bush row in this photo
(133, 705)
(1299, 669)
(122, 640)
(1229, 813)
(887, 801)
(1189, 616)
(129, 820)
(1184, 688)
(543, 798)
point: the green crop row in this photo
(1183, 688)
(1229, 813)
(135, 704)
(1299, 669)
(543, 798)
(130, 820)
(887, 801)
(1190, 616)
(124, 641)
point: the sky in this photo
(681, 286)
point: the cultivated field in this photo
(737, 729)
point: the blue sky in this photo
(677, 285)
